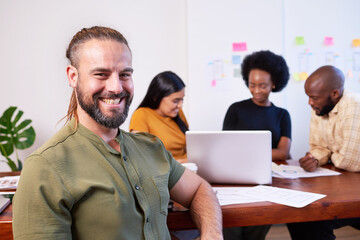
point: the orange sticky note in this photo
(239, 47)
(356, 42)
(303, 75)
(328, 41)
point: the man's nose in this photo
(114, 84)
(311, 102)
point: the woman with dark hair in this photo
(263, 72)
(160, 113)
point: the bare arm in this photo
(282, 150)
(196, 194)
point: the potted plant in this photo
(14, 135)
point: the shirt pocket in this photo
(161, 185)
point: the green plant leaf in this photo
(18, 116)
(14, 136)
(2, 130)
(22, 125)
(11, 164)
(25, 139)
(6, 148)
(5, 119)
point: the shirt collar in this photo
(335, 110)
(82, 130)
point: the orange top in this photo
(145, 119)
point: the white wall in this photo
(34, 37)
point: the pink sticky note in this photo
(328, 41)
(213, 83)
(239, 47)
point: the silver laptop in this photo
(231, 157)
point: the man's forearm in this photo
(206, 212)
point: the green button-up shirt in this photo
(77, 187)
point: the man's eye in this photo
(100, 74)
(125, 75)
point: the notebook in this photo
(231, 157)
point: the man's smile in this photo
(111, 100)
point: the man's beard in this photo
(92, 108)
(327, 108)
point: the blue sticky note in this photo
(236, 59)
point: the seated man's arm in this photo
(195, 193)
(320, 153)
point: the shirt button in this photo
(147, 220)
(124, 158)
(137, 187)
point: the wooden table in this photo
(342, 201)
(6, 215)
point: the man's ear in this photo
(335, 95)
(73, 75)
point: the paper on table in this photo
(233, 195)
(9, 182)
(292, 198)
(7, 193)
(288, 171)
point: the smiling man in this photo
(93, 180)
(335, 122)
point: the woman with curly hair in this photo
(263, 72)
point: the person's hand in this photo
(308, 162)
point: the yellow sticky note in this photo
(299, 41)
(303, 75)
(296, 77)
(356, 42)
